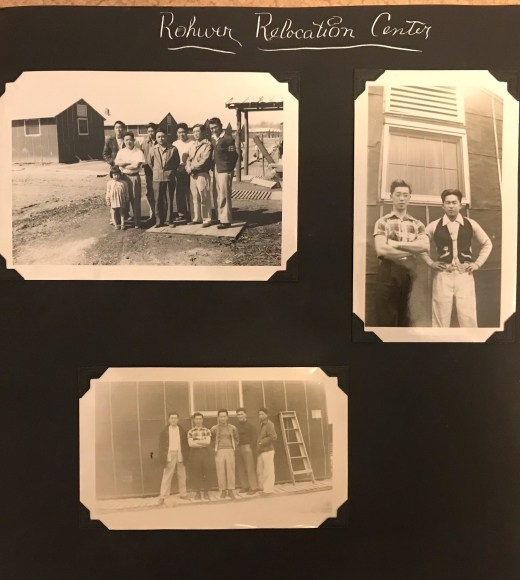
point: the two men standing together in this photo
(400, 239)
(177, 175)
(234, 449)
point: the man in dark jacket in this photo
(245, 460)
(173, 454)
(225, 158)
(147, 147)
(114, 144)
(265, 450)
(164, 161)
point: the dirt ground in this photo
(60, 218)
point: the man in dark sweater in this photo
(225, 158)
(244, 455)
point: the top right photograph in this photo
(436, 195)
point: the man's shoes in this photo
(193, 223)
(197, 496)
(206, 224)
(159, 225)
(223, 495)
(251, 491)
(230, 494)
(161, 500)
(184, 496)
(244, 490)
(223, 226)
(172, 225)
(206, 496)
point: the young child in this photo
(117, 198)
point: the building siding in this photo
(130, 417)
(35, 149)
(483, 115)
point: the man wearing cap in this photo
(398, 238)
(225, 158)
(130, 159)
(453, 237)
(147, 146)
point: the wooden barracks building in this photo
(131, 415)
(58, 134)
(437, 138)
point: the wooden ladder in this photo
(294, 445)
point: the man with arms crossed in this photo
(398, 238)
(265, 450)
(225, 436)
(147, 147)
(199, 439)
(198, 165)
(225, 158)
(164, 160)
(130, 159)
(247, 438)
(173, 453)
(453, 236)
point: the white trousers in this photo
(168, 472)
(265, 471)
(450, 286)
(201, 197)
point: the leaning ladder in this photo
(294, 445)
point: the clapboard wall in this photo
(483, 119)
(130, 417)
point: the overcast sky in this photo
(190, 97)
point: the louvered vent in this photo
(82, 110)
(441, 103)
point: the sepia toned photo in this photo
(435, 205)
(149, 175)
(213, 448)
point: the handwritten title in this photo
(269, 32)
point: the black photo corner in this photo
(433, 427)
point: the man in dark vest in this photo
(398, 238)
(453, 237)
(225, 158)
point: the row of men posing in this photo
(229, 443)
(177, 175)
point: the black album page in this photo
(258, 281)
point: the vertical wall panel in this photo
(318, 430)
(105, 481)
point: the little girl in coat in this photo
(117, 198)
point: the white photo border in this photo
(509, 203)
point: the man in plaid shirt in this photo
(398, 238)
(199, 439)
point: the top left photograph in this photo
(172, 176)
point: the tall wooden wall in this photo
(130, 417)
(485, 206)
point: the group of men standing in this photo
(401, 239)
(239, 448)
(177, 175)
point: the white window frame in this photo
(32, 134)
(139, 130)
(83, 119)
(232, 412)
(415, 126)
(77, 110)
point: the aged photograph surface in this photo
(182, 172)
(436, 190)
(213, 448)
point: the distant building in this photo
(137, 125)
(55, 134)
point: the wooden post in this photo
(246, 143)
(238, 147)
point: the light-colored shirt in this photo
(183, 148)
(222, 134)
(133, 156)
(175, 439)
(120, 143)
(453, 228)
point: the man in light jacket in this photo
(164, 161)
(198, 166)
(173, 454)
(265, 450)
(226, 439)
(147, 146)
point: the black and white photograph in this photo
(149, 175)
(213, 448)
(436, 161)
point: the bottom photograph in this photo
(213, 448)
